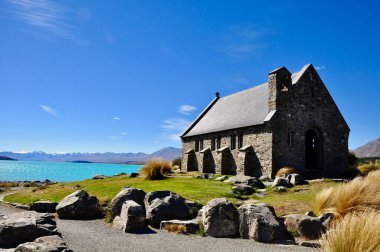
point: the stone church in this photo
(291, 120)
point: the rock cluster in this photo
(23, 227)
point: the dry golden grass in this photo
(359, 195)
(355, 232)
(176, 228)
(368, 167)
(155, 169)
(283, 172)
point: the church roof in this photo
(245, 108)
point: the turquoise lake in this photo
(59, 171)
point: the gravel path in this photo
(96, 235)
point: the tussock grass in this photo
(176, 228)
(285, 171)
(355, 232)
(359, 195)
(155, 169)
(368, 167)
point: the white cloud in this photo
(241, 42)
(186, 109)
(320, 67)
(123, 133)
(174, 127)
(116, 118)
(49, 110)
(48, 16)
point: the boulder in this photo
(125, 194)
(220, 218)
(133, 175)
(259, 222)
(165, 205)
(117, 223)
(306, 226)
(246, 180)
(52, 243)
(296, 179)
(44, 206)
(280, 181)
(79, 205)
(242, 189)
(99, 176)
(75, 187)
(222, 178)
(23, 227)
(189, 226)
(265, 178)
(132, 216)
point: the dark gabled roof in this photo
(246, 108)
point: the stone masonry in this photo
(303, 128)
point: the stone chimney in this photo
(279, 82)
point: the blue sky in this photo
(129, 76)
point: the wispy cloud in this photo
(243, 42)
(320, 67)
(174, 127)
(47, 16)
(186, 109)
(49, 110)
(124, 133)
(116, 118)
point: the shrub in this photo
(355, 232)
(359, 195)
(368, 167)
(352, 159)
(176, 228)
(155, 169)
(283, 172)
(177, 162)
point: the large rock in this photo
(52, 243)
(79, 205)
(259, 222)
(44, 206)
(306, 226)
(246, 180)
(280, 181)
(165, 205)
(132, 216)
(242, 189)
(189, 226)
(296, 179)
(125, 194)
(23, 227)
(220, 218)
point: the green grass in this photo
(296, 200)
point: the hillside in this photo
(7, 158)
(370, 149)
(168, 153)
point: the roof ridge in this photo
(245, 90)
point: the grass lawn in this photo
(296, 200)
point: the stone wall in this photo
(259, 158)
(308, 105)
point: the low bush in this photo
(368, 167)
(177, 162)
(155, 169)
(359, 195)
(176, 228)
(355, 232)
(283, 172)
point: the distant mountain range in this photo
(370, 149)
(168, 153)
